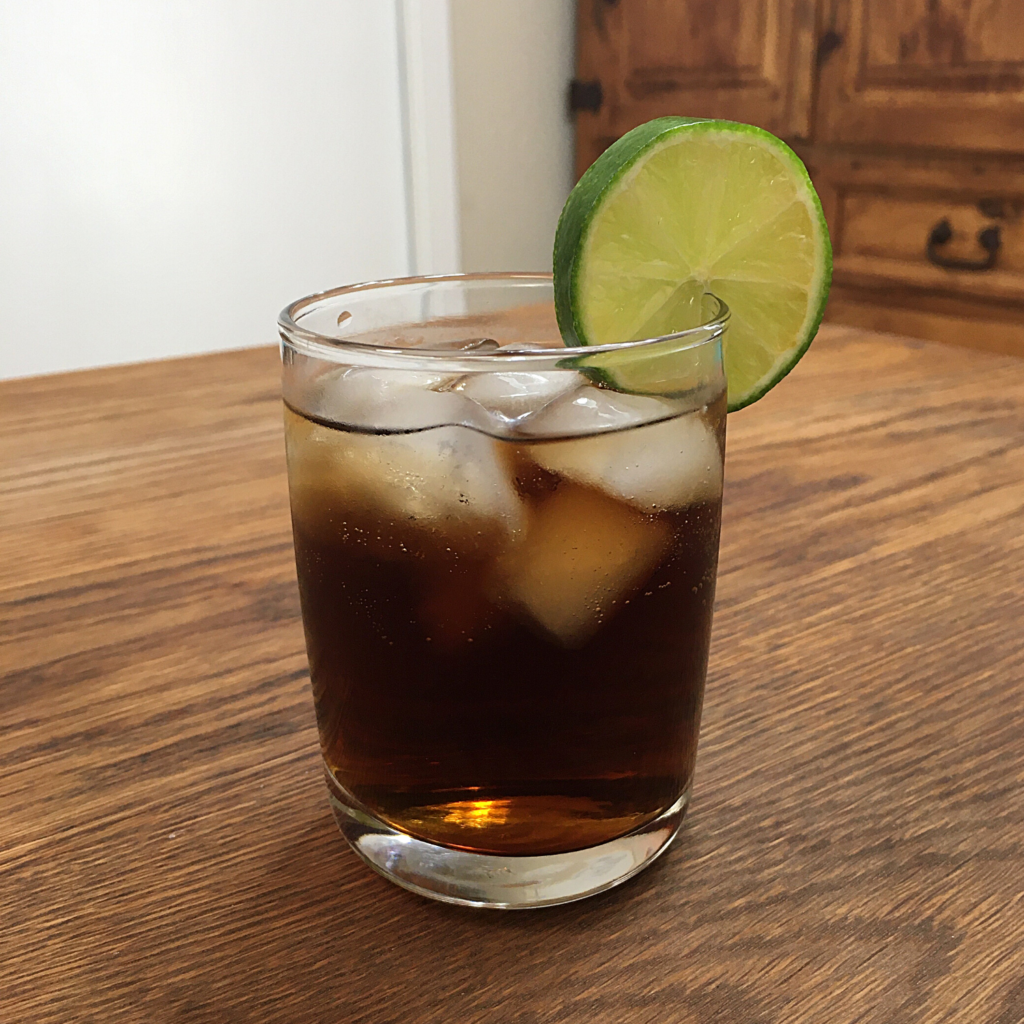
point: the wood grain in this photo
(905, 113)
(855, 851)
(923, 73)
(598, 59)
(881, 210)
(749, 60)
(954, 319)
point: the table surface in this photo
(855, 849)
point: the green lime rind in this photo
(603, 179)
(817, 308)
(579, 208)
(595, 182)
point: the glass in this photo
(506, 555)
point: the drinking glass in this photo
(506, 554)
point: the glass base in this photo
(503, 883)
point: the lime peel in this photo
(677, 208)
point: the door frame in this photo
(428, 130)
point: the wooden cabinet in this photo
(908, 113)
(928, 73)
(884, 208)
(749, 60)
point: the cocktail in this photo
(506, 550)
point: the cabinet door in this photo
(936, 73)
(748, 60)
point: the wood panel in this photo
(945, 74)
(882, 238)
(878, 305)
(598, 57)
(854, 852)
(881, 211)
(886, 226)
(747, 60)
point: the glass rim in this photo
(314, 342)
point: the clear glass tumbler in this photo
(506, 555)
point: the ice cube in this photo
(661, 466)
(392, 400)
(589, 410)
(509, 397)
(582, 555)
(449, 482)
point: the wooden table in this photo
(855, 850)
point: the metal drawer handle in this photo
(988, 238)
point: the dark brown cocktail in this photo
(506, 560)
(531, 684)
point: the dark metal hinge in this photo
(585, 96)
(828, 44)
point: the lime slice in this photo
(678, 208)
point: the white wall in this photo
(432, 198)
(172, 172)
(512, 61)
